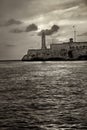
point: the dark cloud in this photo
(11, 22)
(16, 30)
(51, 31)
(83, 34)
(29, 8)
(31, 27)
(10, 45)
(22, 9)
(85, 1)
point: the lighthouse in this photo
(43, 38)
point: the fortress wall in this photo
(58, 47)
(61, 50)
(68, 45)
(79, 52)
(79, 45)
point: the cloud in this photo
(51, 31)
(83, 34)
(30, 8)
(11, 22)
(85, 1)
(10, 45)
(16, 30)
(31, 27)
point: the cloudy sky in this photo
(22, 20)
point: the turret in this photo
(43, 41)
(71, 40)
(70, 43)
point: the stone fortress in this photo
(70, 50)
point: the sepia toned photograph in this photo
(43, 64)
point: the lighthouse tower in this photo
(43, 41)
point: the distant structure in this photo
(70, 50)
(75, 33)
(43, 41)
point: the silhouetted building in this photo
(65, 51)
(43, 41)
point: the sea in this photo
(43, 95)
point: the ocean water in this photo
(43, 95)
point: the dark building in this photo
(58, 51)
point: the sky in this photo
(21, 22)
